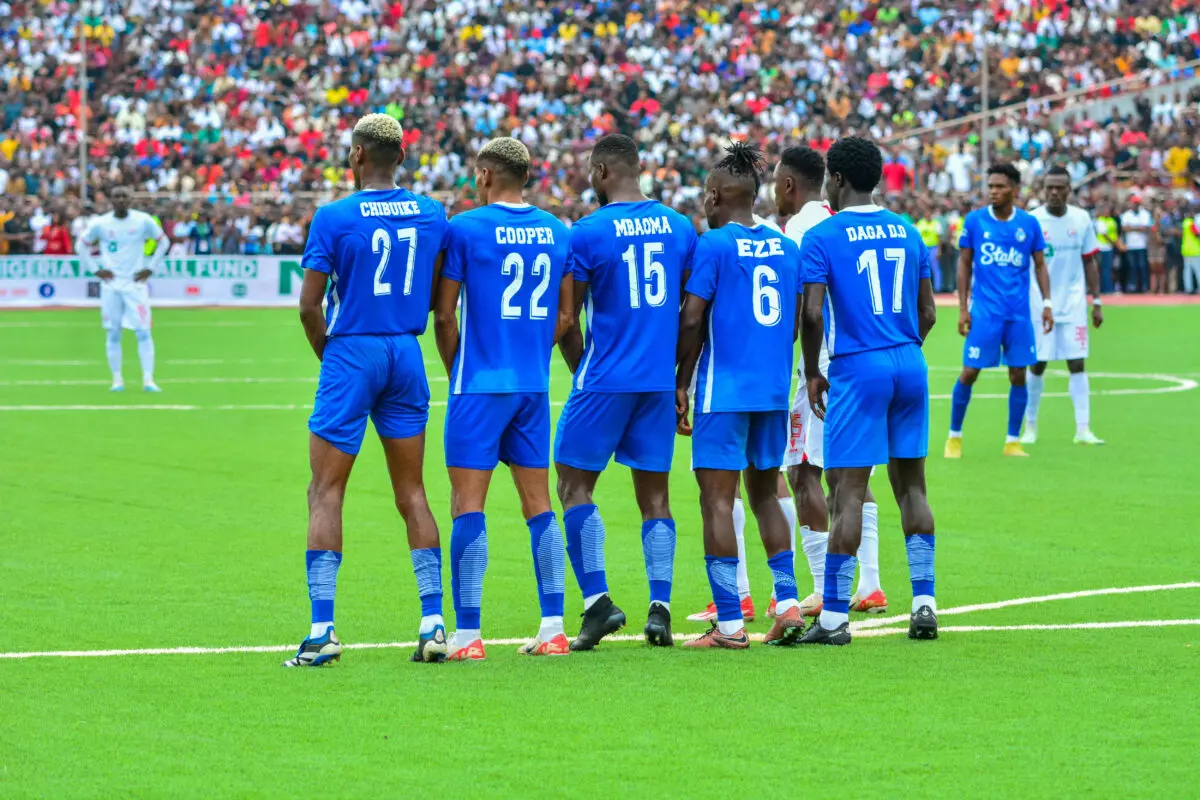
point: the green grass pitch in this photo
(184, 527)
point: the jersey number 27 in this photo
(381, 243)
(869, 262)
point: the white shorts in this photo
(1067, 342)
(806, 439)
(125, 305)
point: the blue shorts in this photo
(484, 429)
(734, 440)
(637, 427)
(878, 407)
(381, 377)
(988, 335)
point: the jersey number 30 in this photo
(869, 262)
(381, 244)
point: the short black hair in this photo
(617, 149)
(1057, 170)
(805, 162)
(1007, 170)
(858, 160)
(743, 160)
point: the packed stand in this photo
(233, 117)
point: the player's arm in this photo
(566, 307)
(570, 343)
(926, 307)
(1091, 271)
(437, 275)
(312, 292)
(687, 353)
(83, 247)
(966, 262)
(812, 332)
(1043, 280)
(161, 243)
(445, 321)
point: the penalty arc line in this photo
(866, 628)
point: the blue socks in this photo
(427, 566)
(722, 577)
(1018, 398)
(919, 547)
(585, 547)
(658, 548)
(549, 563)
(783, 573)
(322, 567)
(959, 400)
(468, 562)
(839, 575)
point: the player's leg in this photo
(709, 614)
(137, 317)
(1079, 388)
(400, 415)
(349, 382)
(718, 458)
(869, 597)
(1020, 352)
(766, 441)
(525, 447)
(787, 505)
(112, 313)
(981, 350)
(589, 428)
(1036, 383)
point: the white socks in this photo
(1078, 386)
(319, 628)
(730, 627)
(788, 505)
(1035, 384)
(591, 599)
(550, 627)
(463, 638)
(739, 530)
(868, 551)
(430, 622)
(145, 355)
(924, 600)
(112, 348)
(830, 620)
(814, 544)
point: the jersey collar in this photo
(867, 209)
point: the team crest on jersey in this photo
(1049, 250)
(987, 234)
(1020, 234)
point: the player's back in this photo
(872, 263)
(633, 256)
(379, 248)
(750, 278)
(510, 260)
(1002, 261)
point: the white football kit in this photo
(1069, 239)
(124, 302)
(806, 440)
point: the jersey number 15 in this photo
(869, 262)
(381, 244)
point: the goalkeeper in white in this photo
(120, 236)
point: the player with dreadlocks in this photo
(741, 419)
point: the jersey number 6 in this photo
(381, 243)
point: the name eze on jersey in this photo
(991, 253)
(538, 235)
(860, 233)
(642, 226)
(759, 248)
(399, 208)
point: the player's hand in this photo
(1047, 320)
(817, 389)
(682, 426)
(142, 276)
(964, 322)
(105, 274)
(1097, 316)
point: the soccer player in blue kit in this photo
(745, 363)
(871, 272)
(506, 260)
(377, 251)
(628, 260)
(996, 247)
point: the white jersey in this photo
(122, 242)
(764, 221)
(800, 223)
(1069, 239)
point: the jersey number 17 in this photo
(869, 262)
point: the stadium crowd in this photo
(233, 116)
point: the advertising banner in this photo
(32, 281)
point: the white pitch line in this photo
(865, 628)
(1024, 601)
(187, 407)
(178, 381)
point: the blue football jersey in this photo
(750, 278)
(1003, 261)
(871, 262)
(633, 257)
(379, 249)
(510, 260)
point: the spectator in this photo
(201, 235)
(1190, 247)
(56, 236)
(961, 167)
(288, 238)
(931, 234)
(1136, 223)
(18, 233)
(1107, 240)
